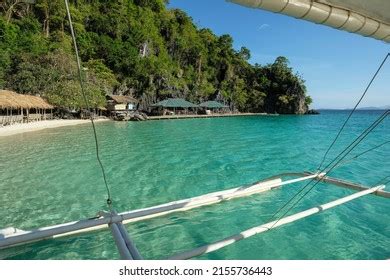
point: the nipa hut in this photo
(19, 108)
(121, 103)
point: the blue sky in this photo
(336, 65)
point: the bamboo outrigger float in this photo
(12, 237)
(268, 226)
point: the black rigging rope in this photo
(109, 200)
(353, 111)
(337, 165)
(383, 181)
(361, 154)
(347, 150)
(359, 139)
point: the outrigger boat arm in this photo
(12, 237)
(268, 226)
(368, 18)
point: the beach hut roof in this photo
(175, 103)
(13, 100)
(213, 105)
(122, 99)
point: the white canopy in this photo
(368, 18)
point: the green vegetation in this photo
(136, 47)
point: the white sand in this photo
(35, 126)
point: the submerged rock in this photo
(138, 117)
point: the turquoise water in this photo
(51, 176)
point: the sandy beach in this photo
(35, 126)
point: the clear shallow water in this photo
(51, 176)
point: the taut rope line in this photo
(109, 200)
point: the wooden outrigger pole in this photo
(21, 237)
(268, 226)
(127, 248)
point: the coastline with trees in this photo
(138, 48)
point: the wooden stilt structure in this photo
(27, 108)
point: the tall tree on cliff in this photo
(151, 51)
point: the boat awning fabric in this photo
(368, 18)
(175, 103)
(212, 105)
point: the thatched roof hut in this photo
(13, 100)
(121, 103)
(122, 99)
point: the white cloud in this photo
(264, 26)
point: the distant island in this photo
(371, 108)
(375, 108)
(136, 48)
